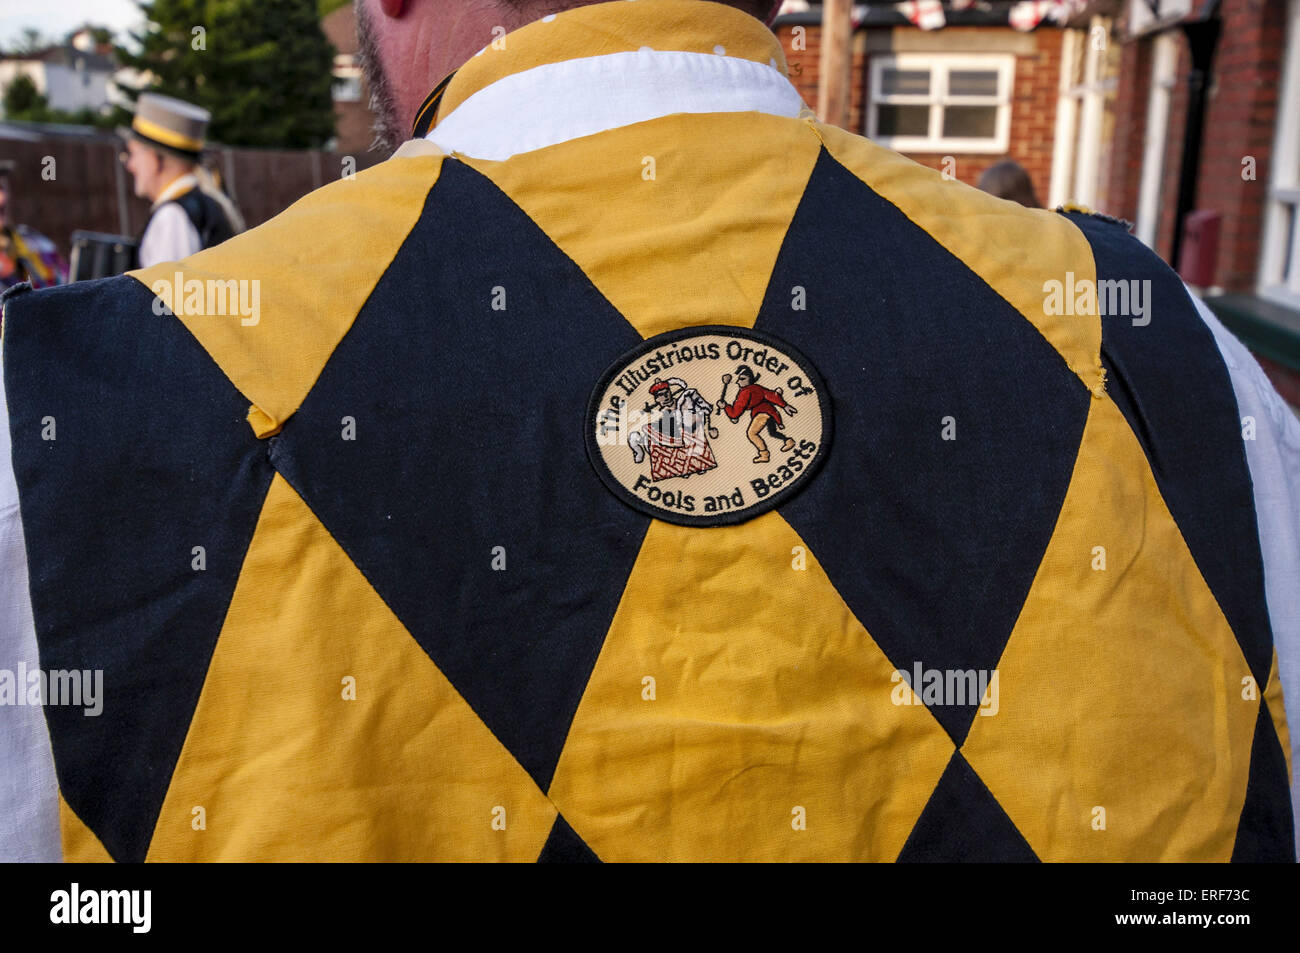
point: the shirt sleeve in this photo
(29, 808)
(1274, 460)
(170, 236)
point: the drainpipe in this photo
(835, 70)
(1202, 38)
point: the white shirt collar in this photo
(556, 102)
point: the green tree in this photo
(261, 67)
(22, 100)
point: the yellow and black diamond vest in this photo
(360, 590)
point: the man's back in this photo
(418, 601)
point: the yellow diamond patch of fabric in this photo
(1125, 726)
(1277, 711)
(703, 225)
(738, 710)
(325, 733)
(271, 304)
(80, 844)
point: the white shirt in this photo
(577, 98)
(170, 235)
(29, 810)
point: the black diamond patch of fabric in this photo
(933, 543)
(962, 821)
(163, 531)
(1266, 830)
(1165, 373)
(417, 449)
(564, 846)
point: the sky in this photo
(55, 18)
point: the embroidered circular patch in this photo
(708, 425)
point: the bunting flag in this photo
(926, 14)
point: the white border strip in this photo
(556, 102)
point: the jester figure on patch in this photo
(677, 438)
(761, 404)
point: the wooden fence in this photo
(65, 179)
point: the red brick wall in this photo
(1125, 171)
(859, 80)
(804, 71)
(1240, 120)
(1033, 109)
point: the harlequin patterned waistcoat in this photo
(380, 571)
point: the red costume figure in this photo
(757, 400)
(761, 404)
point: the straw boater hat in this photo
(169, 125)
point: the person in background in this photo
(1009, 180)
(25, 254)
(189, 213)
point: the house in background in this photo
(1180, 116)
(961, 86)
(1233, 68)
(72, 76)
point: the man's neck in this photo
(176, 186)
(606, 65)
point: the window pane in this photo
(902, 120)
(970, 122)
(910, 82)
(973, 82)
(347, 89)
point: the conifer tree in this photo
(263, 68)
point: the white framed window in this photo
(1279, 277)
(1085, 109)
(347, 79)
(941, 102)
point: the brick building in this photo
(1244, 165)
(352, 116)
(975, 90)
